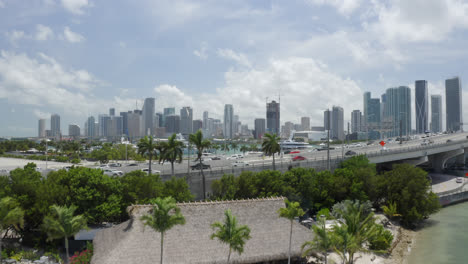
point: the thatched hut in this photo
(132, 242)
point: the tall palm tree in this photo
(253, 147)
(244, 149)
(11, 215)
(270, 146)
(172, 151)
(321, 242)
(216, 147)
(234, 146)
(200, 144)
(62, 224)
(225, 147)
(165, 215)
(291, 211)
(148, 147)
(231, 233)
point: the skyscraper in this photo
(74, 131)
(305, 123)
(148, 115)
(167, 112)
(422, 106)
(91, 127)
(436, 113)
(273, 117)
(398, 110)
(55, 125)
(228, 121)
(259, 128)
(326, 119)
(371, 117)
(356, 117)
(104, 125)
(41, 128)
(124, 116)
(186, 120)
(112, 111)
(134, 124)
(337, 123)
(172, 124)
(453, 104)
(160, 118)
(197, 125)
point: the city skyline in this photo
(77, 60)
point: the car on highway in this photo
(198, 166)
(4, 171)
(216, 158)
(235, 156)
(297, 158)
(294, 152)
(132, 165)
(240, 164)
(152, 171)
(115, 164)
(350, 153)
(110, 172)
(449, 140)
(384, 149)
(459, 180)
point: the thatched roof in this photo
(132, 242)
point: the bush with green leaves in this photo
(381, 240)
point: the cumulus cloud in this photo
(40, 114)
(344, 7)
(71, 36)
(168, 95)
(43, 32)
(15, 35)
(239, 58)
(202, 52)
(2, 4)
(76, 6)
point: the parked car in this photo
(350, 153)
(459, 180)
(132, 165)
(115, 164)
(240, 164)
(152, 171)
(216, 158)
(198, 166)
(235, 156)
(110, 172)
(297, 158)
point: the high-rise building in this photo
(104, 124)
(112, 111)
(356, 117)
(148, 115)
(172, 124)
(453, 104)
(167, 112)
(236, 125)
(124, 116)
(422, 106)
(305, 123)
(273, 117)
(228, 121)
(41, 128)
(326, 119)
(337, 123)
(370, 122)
(186, 120)
(55, 125)
(197, 125)
(287, 129)
(398, 110)
(436, 113)
(91, 127)
(134, 124)
(205, 120)
(115, 127)
(259, 128)
(74, 131)
(160, 118)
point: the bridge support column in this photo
(417, 161)
(461, 159)
(438, 161)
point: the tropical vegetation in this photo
(200, 144)
(270, 146)
(291, 211)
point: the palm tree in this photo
(201, 144)
(321, 241)
(148, 147)
(172, 151)
(253, 147)
(11, 215)
(270, 146)
(244, 148)
(216, 147)
(291, 211)
(230, 233)
(62, 224)
(225, 147)
(165, 215)
(234, 146)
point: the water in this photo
(444, 239)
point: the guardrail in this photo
(414, 148)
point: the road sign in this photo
(466, 174)
(382, 143)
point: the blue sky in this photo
(81, 57)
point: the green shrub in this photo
(382, 240)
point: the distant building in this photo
(305, 123)
(337, 123)
(273, 118)
(112, 111)
(135, 121)
(172, 124)
(228, 121)
(148, 116)
(167, 112)
(422, 106)
(453, 103)
(186, 120)
(55, 125)
(74, 131)
(436, 113)
(317, 128)
(356, 121)
(259, 128)
(287, 129)
(91, 127)
(305, 136)
(124, 116)
(160, 119)
(372, 115)
(197, 125)
(104, 124)
(41, 128)
(398, 110)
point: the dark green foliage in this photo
(178, 189)
(139, 187)
(381, 240)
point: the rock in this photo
(39, 262)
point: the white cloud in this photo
(122, 44)
(2, 4)
(42, 81)
(43, 32)
(71, 36)
(16, 35)
(40, 114)
(239, 58)
(76, 6)
(167, 96)
(344, 7)
(201, 53)
(417, 20)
